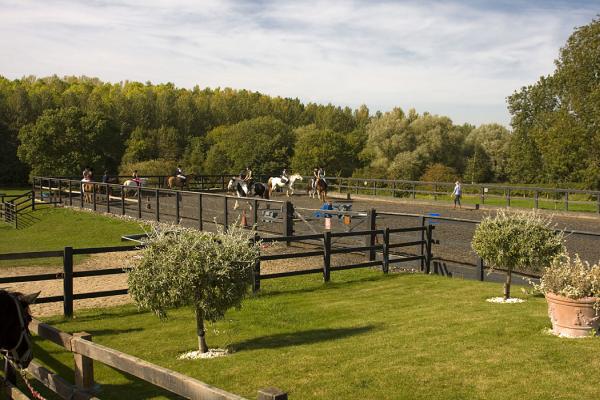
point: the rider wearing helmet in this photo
(179, 174)
(285, 176)
(247, 174)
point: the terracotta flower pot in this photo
(572, 317)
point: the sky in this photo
(455, 58)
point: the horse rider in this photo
(179, 174)
(136, 178)
(87, 174)
(285, 178)
(321, 174)
(247, 175)
(315, 177)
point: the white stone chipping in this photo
(510, 300)
(196, 354)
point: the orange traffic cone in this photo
(244, 221)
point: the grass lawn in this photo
(56, 228)
(364, 336)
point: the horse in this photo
(241, 189)
(130, 186)
(276, 182)
(15, 339)
(321, 188)
(87, 191)
(175, 181)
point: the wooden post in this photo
(122, 200)
(254, 214)
(429, 236)
(157, 205)
(422, 244)
(370, 239)
(414, 191)
(386, 251)
(107, 192)
(326, 256)
(434, 192)
(59, 187)
(84, 367)
(94, 196)
(225, 213)
(70, 193)
(33, 195)
(200, 211)
(535, 199)
(508, 197)
(482, 194)
(177, 207)
(566, 201)
(288, 220)
(271, 393)
(68, 282)
(256, 274)
(480, 269)
(139, 199)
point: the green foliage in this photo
(494, 141)
(571, 277)
(479, 166)
(556, 121)
(149, 168)
(517, 240)
(264, 143)
(63, 141)
(322, 147)
(185, 267)
(439, 173)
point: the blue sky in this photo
(455, 58)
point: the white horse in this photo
(132, 186)
(276, 182)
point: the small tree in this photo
(184, 267)
(522, 240)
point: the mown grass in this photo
(55, 228)
(364, 336)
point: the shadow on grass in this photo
(299, 338)
(102, 332)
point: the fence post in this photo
(225, 213)
(566, 201)
(177, 207)
(157, 205)
(84, 367)
(200, 211)
(68, 282)
(414, 191)
(598, 201)
(482, 194)
(288, 220)
(434, 192)
(386, 250)
(326, 256)
(33, 195)
(429, 256)
(59, 187)
(254, 214)
(422, 218)
(480, 269)
(256, 274)
(223, 182)
(70, 193)
(107, 192)
(535, 199)
(93, 196)
(139, 199)
(370, 239)
(122, 200)
(508, 197)
(271, 393)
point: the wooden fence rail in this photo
(85, 351)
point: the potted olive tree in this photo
(211, 272)
(572, 290)
(525, 241)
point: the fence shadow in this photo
(299, 338)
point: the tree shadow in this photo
(299, 338)
(102, 332)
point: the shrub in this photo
(439, 173)
(522, 240)
(183, 267)
(571, 277)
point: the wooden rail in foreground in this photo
(84, 351)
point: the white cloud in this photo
(447, 58)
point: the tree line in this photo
(57, 126)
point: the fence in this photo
(13, 209)
(85, 352)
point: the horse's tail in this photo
(269, 183)
(266, 193)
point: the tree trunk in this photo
(200, 331)
(507, 284)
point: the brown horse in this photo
(87, 191)
(177, 182)
(321, 187)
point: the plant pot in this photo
(572, 317)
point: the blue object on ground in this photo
(325, 206)
(433, 221)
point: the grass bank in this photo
(364, 336)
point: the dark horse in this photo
(321, 187)
(15, 339)
(242, 189)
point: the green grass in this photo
(365, 336)
(56, 228)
